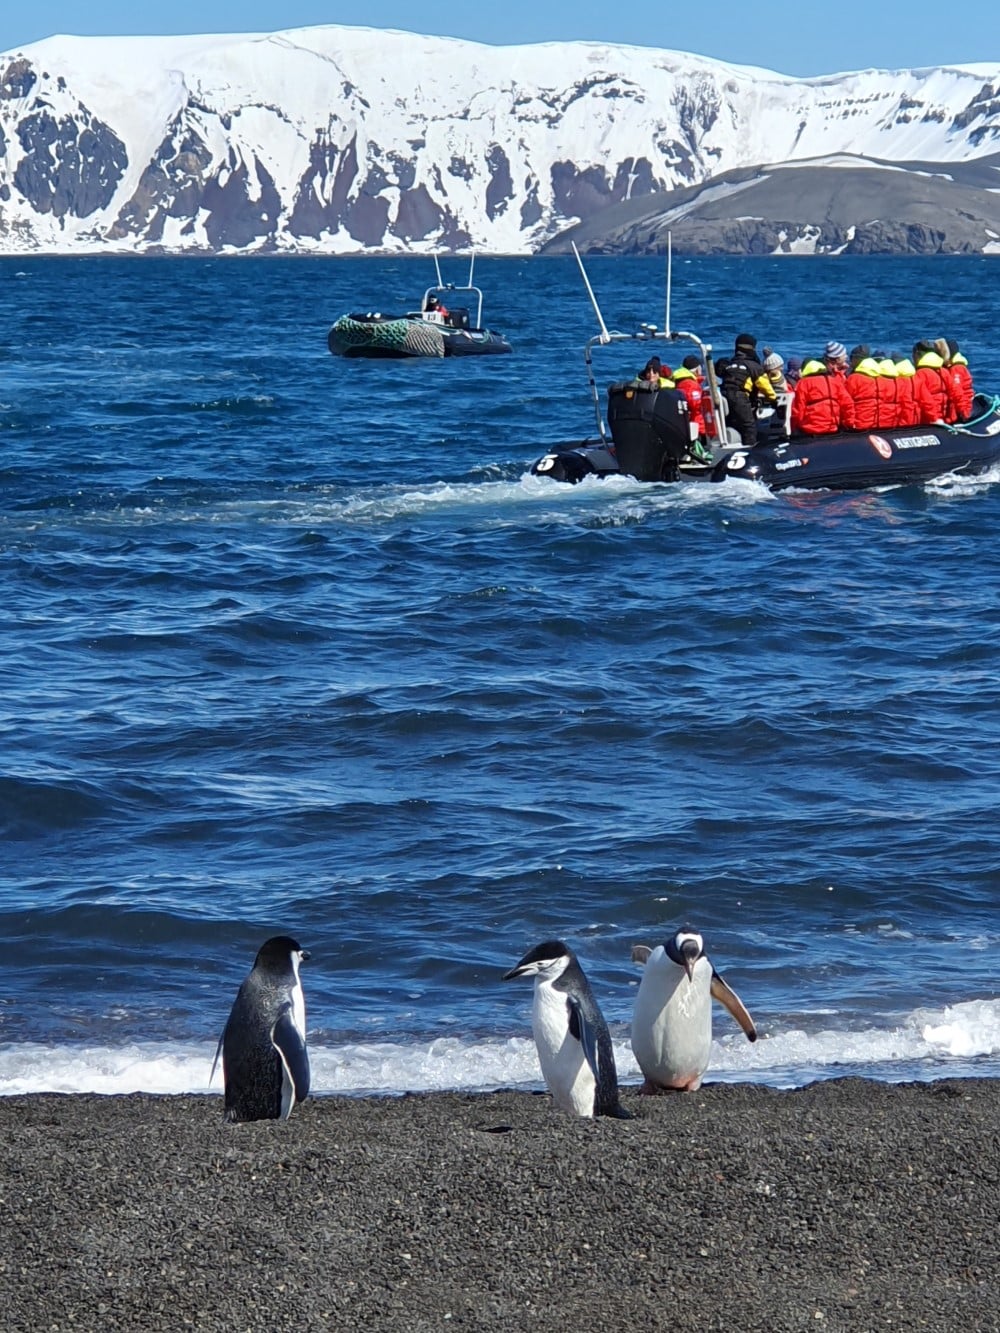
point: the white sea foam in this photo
(963, 1038)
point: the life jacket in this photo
(821, 404)
(690, 387)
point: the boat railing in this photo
(452, 289)
(649, 333)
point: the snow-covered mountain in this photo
(338, 140)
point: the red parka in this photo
(933, 392)
(961, 382)
(907, 412)
(862, 385)
(690, 387)
(887, 385)
(821, 404)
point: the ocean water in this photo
(294, 644)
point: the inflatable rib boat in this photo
(649, 436)
(445, 325)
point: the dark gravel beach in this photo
(844, 1205)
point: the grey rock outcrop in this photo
(840, 205)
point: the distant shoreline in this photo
(846, 1204)
(481, 257)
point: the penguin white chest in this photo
(567, 1074)
(299, 1007)
(298, 1002)
(672, 1023)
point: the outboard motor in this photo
(651, 430)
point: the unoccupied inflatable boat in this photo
(649, 436)
(448, 323)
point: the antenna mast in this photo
(605, 335)
(666, 327)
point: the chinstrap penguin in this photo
(571, 1036)
(265, 1066)
(672, 1021)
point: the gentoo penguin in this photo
(672, 1022)
(265, 1066)
(572, 1038)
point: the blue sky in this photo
(791, 36)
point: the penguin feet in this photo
(649, 1089)
(655, 1090)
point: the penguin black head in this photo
(281, 954)
(685, 949)
(548, 960)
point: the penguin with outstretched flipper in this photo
(672, 1021)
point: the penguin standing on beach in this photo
(265, 1066)
(672, 1021)
(571, 1036)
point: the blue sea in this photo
(292, 644)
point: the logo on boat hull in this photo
(917, 442)
(881, 446)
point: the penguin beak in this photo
(304, 955)
(690, 954)
(519, 971)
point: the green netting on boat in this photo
(408, 336)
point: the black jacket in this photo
(740, 374)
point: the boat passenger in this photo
(857, 355)
(887, 386)
(435, 307)
(687, 379)
(907, 412)
(862, 384)
(743, 384)
(649, 376)
(821, 404)
(775, 367)
(793, 371)
(961, 378)
(835, 358)
(932, 387)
